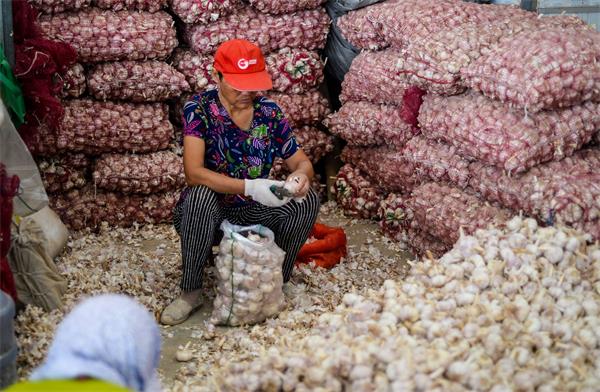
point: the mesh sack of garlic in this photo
(374, 77)
(302, 29)
(249, 269)
(507, 73)
(392, 173)
(444, 54)
(410, 21)
(308, 108)
(356, 194)
(364, 123)
(437, 161)
(56, 6)
(494, 133)
(64, 172)
(43, 143)
(100, 35)
(362, 27)
(398, 23)
(73, 82)
(138, 5)
(277, 7)
(315, 143)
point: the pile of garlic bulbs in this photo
(511, 308)
(249, 273)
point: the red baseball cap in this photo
(243, 66)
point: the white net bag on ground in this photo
(249, 269)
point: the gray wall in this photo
(588, 10)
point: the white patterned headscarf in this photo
(109, 337)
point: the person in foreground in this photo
(231, 137)
(107, 343)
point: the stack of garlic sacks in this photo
(108, 161)
(289, 33)
(509, 308)
(496, 133)
(115, 158)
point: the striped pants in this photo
(198, 217)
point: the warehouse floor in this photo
(363, 237)
(145, 261)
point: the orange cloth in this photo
(327, 250)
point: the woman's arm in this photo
(299, 163)
(197, 174)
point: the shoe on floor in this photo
(178, 311)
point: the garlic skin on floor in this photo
(120, 259)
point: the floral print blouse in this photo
(233, 151)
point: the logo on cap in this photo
(243, 63)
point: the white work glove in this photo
(260, 191)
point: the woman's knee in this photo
(200, 198)
(305, 211)
(313, 203)
(177, 212)
(200, 201)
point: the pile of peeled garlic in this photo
(250, 280)
(510, 308)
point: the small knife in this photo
(280, 192)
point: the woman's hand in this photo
(260, 191)
(298, 183)
(302, 172)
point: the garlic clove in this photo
(184, 355)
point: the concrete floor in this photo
(358, 234)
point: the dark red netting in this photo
(411, 103)
(37, 61)
(8, 189)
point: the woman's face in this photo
(236, 99)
